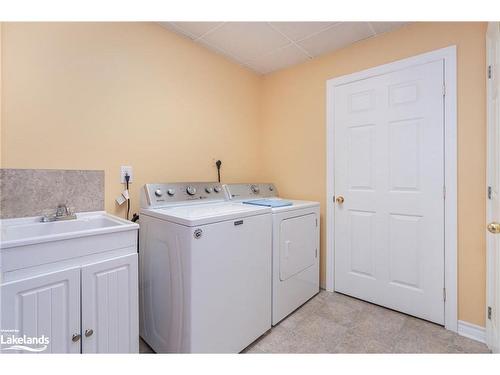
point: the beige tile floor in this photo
(335, 323)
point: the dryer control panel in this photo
(245, 191)
(158, 195)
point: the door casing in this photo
(491, 269)
(448, 55)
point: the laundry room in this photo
(249, 185)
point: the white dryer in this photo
(295, 245)
(205, 269)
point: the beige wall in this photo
(294, 133)
(97, 96)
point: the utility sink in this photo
(28, 242)
(36, 230)
(24, 231)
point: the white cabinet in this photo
(46, 305)
(110, 306)
(72, 282)
(91, 307)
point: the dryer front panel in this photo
(297, 245)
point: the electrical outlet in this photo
(126, 169)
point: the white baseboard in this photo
(472, 331)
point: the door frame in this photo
(449, 56)
(490, 276)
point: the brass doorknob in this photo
(339, 199)
(494, 227)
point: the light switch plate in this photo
(126, 169)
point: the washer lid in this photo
(206, 213)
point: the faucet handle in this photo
(62, 210)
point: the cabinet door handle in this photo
(76, 337)
(89, 332)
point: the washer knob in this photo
(171, 192)
(255, 189)
(158, 193)
(271, 188)
(217, 189)
(209, 190)
(191, 190)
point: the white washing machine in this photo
(205, 269)
(295, 245)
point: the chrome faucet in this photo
(62, 213)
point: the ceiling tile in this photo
(382, 27)
(286, 56)
(266, 46)
(336, 37)
(195, 29)
(300, 30)
(221, 51)
(246, 40)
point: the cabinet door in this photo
(110, 309)
(46, 305)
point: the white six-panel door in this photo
(389, 170)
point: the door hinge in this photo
(316, 223)
(444, 89)
(489, 312)
(489, 192)
(444, 192)
(489, 71)
(444, 294)
(316, 253)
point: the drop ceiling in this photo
(269, 46)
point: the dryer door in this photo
(298, 245)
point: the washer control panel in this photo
(244, 191)
(157, 195)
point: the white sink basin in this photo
(27, 231)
